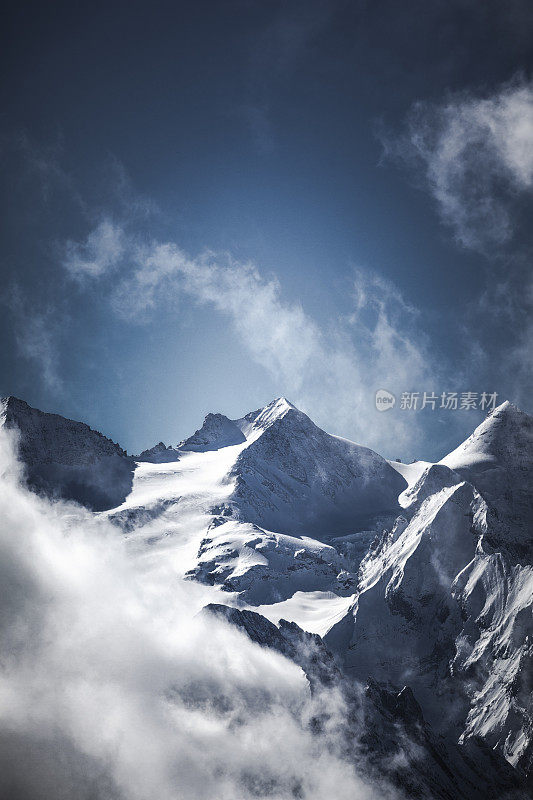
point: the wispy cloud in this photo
(99, 253)
(330, 370)
(40, 165)
(390, 326)
(279, 335)
(36, 333)
(476, 154)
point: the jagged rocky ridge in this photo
(423, 592)
(383, 730)
(159, 454)
(67, 459)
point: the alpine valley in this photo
(401, 593)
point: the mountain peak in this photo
(498, 460)
(509, 411)
(278, 407)
(295, 478)
(217, 431)
(12, 403)
(276, 410)
(158, 454)
(282, 402)
(505, 431)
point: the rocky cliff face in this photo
(68, 459)
(159, 454)
(444, 601)
(216, 432)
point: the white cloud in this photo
(111, 687)
(397, 347)
(100, 252)
(279, 335)
(477, 157)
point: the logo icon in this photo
(384, 400)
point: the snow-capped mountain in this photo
(292, 477)
(418, 578)
(216, 432)
(498, 460)
(444, 600)
(295, 478)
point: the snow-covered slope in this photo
(411, 472)
(188, 511)
(211, 493)
(445, 599)
(295, 478)
(417, 576)
(68, 459)
(267, 567)
(498, 460)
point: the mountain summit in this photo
(295, 478)
(504, 438)
(219, 431)
(498, 460)
(291, 476)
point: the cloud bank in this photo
(111, 688)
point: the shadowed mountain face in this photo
(67, 459)
(498, 460)
(295, 478)
(216, 432)
(444, 601)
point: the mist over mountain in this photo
(382, 610)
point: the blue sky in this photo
(207, 205)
